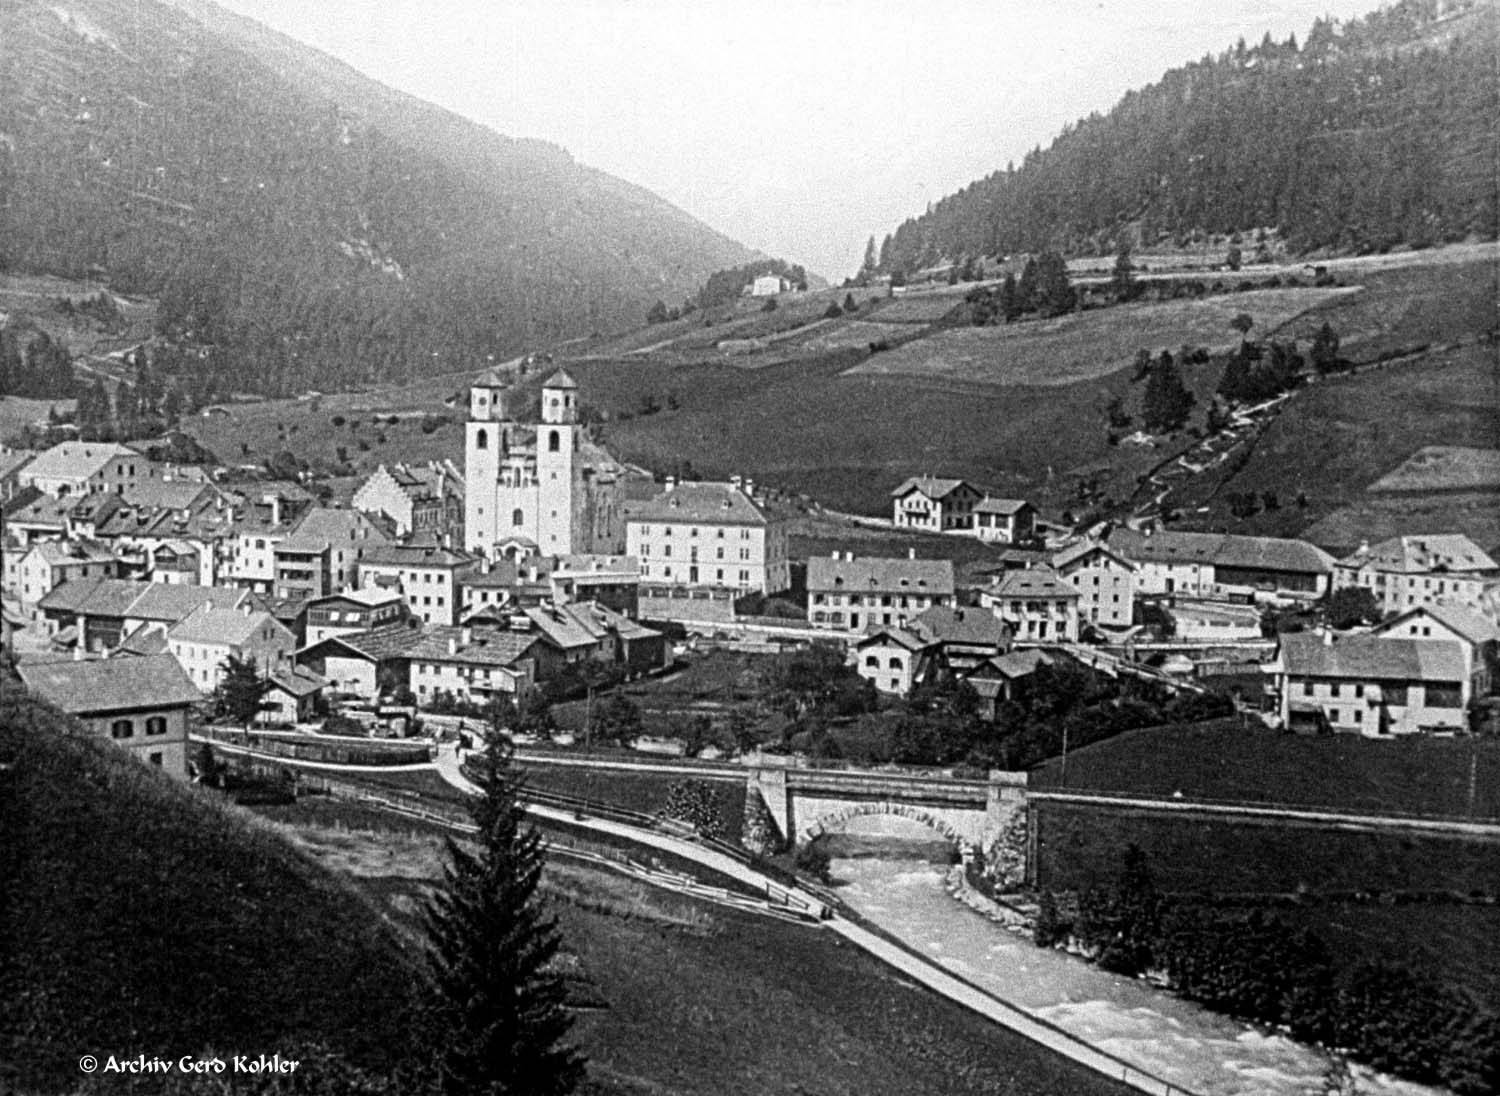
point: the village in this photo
(537, 570)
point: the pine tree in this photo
(1167, 401)
(497, 1017)
(240, 689)
(872, 260)
(1123, 278)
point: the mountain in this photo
(1370, 134)
(303, 225)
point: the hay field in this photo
(1087, 345)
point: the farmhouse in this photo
(363, 663)
(1478, 637)
(473, 664)
(291, 693)
(142, 704)
(1406, 571)
(849, 594)
(964, 637)
(935, 505)
(1224, 565)
(1370, 685)
(84, 467)
(202, 642)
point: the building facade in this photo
(850, 594)
(1404, 572)
(708, 535)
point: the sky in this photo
(798, 127)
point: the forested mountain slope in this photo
(1369, 134)
(307, 225)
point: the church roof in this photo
(560, 379)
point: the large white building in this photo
(536, 489)
(1404, 572)
(708, 535)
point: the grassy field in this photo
(682, 998)
(1444, 468)
(1454, 777)
(1085, 346)
(144, 916)
(17, 413)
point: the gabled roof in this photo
(172, 602)
(175, 494)
(1430, 553)
(1221, 550)
(1031, 582)
(567, 626)
(376, 645)
(899, 636)
(13, 460)
(876, 574)
(1372, 658)
(77, 459)
(1014, 664)
(970, 627)
(705, 503)
(72, 553)
(95, 597)
(1079, 552)
(330, 525)
(1465, 622)
(414, 556)
(932, 487)
(221, 627)
(44, 510)
(486, 646)
(145, 640)
(371, 597)
(99, 686)
(560, 379)
(1004, 507)
(298, 681)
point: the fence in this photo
(327, 750)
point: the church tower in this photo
(557, 465)
(486, 442)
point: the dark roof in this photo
(98, 597)
(298, 681)
(486, 647)
(881, 575)
(1030, 583)
(378, 644)
(1372, 658)
(706, 503)
(899, 636)
(1432, 553)
(1001, 506)
(145, 640)
(99, 686)
(1221, 550)
(932, 487)
(173, 602)
(560, 379)
(399, 555)
(975, 627)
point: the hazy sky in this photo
(799, 127)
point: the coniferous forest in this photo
(1367, 135)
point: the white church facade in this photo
(537, 488)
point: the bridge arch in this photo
(822, 824)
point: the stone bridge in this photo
(973, 814)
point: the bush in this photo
(813, 859)
(694, 802)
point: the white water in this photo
(1174, 1039)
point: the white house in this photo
(428, 577)
(892, 659)
(1004, 521)
(84, 467)
(1370, 685)
(845, 593)
(1104, 579)
(1037, 604)
(1224, 565)
(935, 505)
(1403, 572)
(707, 535)
(203, 640)
(1477, 636)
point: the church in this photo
(537, 488)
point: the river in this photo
(1153, 1030)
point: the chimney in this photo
(911, 553)
(837, 554)
(275, 501)
(736, 481)
(466, 636)
(1326, 634)
(671, 483)
(452, 645)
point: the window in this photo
(482, 440)
(895, 664)
(1359, 691)
(1307, 688)
(121, 728)
(518, 518)
(156, 724)
(872, 663)
(1333, 690)
(554, 442)
(155, 757)
(1444, 696)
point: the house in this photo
(851, 594)
(537, 488)
(84, 467)
(1477, 635)
(49, 564)
(177, 562)
(418, 498)
(769, 285)
(1370, 685)
(92, 611)
(996, 679)
(339, 539)
(709, 538)
(32, 516)
(364, 664)
(204, 639)
(475, 665)
(1403, 572)
(142, 704)
(291, 696)
(1104, 579)
(12, 461)
(894, 660)
(428, 577)
(935, 505)
(353, 611)
(1038, 605)
(1223, 565)
(1195, 621)
(614, 581)
(1004, 521)
(964, 637)
(588, 631)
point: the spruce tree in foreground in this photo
(498, 1021)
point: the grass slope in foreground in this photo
(141, 917)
